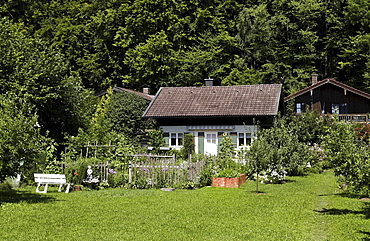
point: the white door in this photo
(210, 143)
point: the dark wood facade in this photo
(332, 97)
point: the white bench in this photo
(46, 179)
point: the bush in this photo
(119, 179)
(5, 186)
(229, 173)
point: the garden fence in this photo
(162, 171)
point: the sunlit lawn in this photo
(305, 208)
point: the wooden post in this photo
(106, 170)
(129, 174)
(87, 149)
(96, 144)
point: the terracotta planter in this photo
(77, 188)
(234, 182)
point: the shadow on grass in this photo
(334, 211)
(17, 196)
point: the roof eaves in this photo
(213, 116)
(305, 90)
(151, 103)
(278, 100)
(350, 88)
(325, 81)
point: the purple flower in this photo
(164, 169)
(111, 171)
(143, 169)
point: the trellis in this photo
(101, 167)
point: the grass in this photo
(305, 208)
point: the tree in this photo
(20, 140)
(123, 115)
(281, 150)
(39, 75)
(348, 155)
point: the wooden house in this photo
(331, 97)
(211, 112)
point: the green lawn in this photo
(305, 208)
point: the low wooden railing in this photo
(353, 117)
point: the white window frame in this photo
(299, 107)
(335, 108)
(246, 136)
(178, 137)
(211, 138)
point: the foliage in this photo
(348, 155)
(224, 160)
(188, 146)
(180, 43)
(5, 186)
(272, 176)
(123, 115)
(156, 140)
(228, 172)
(20, 142)
(37, 73)
(100, 127)
(363, 132)
(282, 149)
(76, 171)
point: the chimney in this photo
(208, 82)
(146, 90)
(314, 78)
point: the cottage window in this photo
(343, 109)
(244, 139)
(211, 138)
(176, 139)
(335, 108)
(299, 108)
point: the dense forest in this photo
(54, 54)
(137, 43)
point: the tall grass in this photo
(305, 208)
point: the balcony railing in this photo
(353, 117)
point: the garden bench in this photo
(46, 179)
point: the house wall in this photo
(324, 96)
(263, 121)
(200, 140)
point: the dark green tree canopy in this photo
(123, 113)
(135, 43)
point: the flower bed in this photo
(233, 182)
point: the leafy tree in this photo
(348, 155)
(123, 115)
(283, 148)
(156, 140)
(20, 140)
(39, 75)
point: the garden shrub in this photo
(5, 186)
(77, 171)
(349, 156)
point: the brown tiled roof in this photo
(246, 100)
(330, 81)
(120, 89)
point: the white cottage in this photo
(212, 112)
